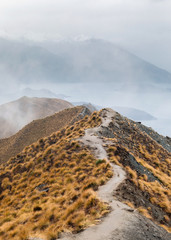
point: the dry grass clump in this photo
(130, 204)
(133, 175)
(50, 186)
(144, 212)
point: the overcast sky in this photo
(141, 26)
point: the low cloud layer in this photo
(142, 26)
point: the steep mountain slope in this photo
(37, 129)
(16, 114)
(49, 188)
(92, 60)
(100, 60)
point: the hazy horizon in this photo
(51, 51)
(142, 27)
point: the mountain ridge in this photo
(14, 115)
(9, 147)
(61, 62)
(73, 156)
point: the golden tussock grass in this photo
(156, 160)
(51, 186)
(144, 212)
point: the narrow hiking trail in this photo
(122, 223)
(117, 217)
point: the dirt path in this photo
(118, 215)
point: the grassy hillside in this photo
(49, 187)
(15, 115)
(37, 129)
(148, 167)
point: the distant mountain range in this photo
(83, 62)
(92, 71)
(98, 61)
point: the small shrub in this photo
(99, 161)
